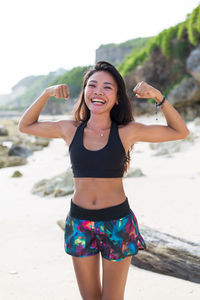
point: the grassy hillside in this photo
(36, 85)
(73, 79)
(134, 43)
(187, 31)
(35, 89)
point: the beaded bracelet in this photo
(159, 104)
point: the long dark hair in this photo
(121, 113)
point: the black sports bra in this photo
(106, 162)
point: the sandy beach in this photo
(33, 262)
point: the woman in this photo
(100, 138)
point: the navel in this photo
(94, 202)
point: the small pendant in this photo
(101, 134)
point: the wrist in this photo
(46, 93)
(159, 98)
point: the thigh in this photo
(80, 238)
(120, 238)
(87, 270)
(114, 278)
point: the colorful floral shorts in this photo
(115, 239)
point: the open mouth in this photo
(98, 101)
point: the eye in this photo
(91, 85)
(107, 87)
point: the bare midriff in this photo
(97, 193)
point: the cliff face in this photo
(178, 79)
(112, 54)
(115, 53)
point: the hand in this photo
(58, 91)
(144, 90)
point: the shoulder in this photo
(68, 129)
(129, 131)
(130, 126)
(69, 124)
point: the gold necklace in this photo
(100, 133)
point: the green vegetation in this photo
(36, 88)
(189, 28)
(27, 81)
(167, 90)
(134, 43)
(73, 79)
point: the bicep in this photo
(46, 129)
(155, 133)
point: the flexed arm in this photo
(29, 121)
(174, 130)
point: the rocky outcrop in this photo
(193, 64)
(17, 150)
(185, 93)
(112, 54)
(3, 131)
(161, 73)
(11, 161)
(134, 173)
(15, 146)
(115, 53)
(169, 148)
(17, 174)
(59, 185)
(186, 96)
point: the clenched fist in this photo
(144, 90)
(58, 91)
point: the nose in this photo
(98, 91)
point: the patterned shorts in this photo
(115, 239)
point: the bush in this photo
(191, 26)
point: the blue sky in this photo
(39, 36)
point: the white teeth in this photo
(97, 100)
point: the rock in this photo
(193, 64)
(19, 151)
(113, 53)
(34, 143)
(163, 73)
(3, 131)
(17, 144)
(60, 185)
(40, 141)
(3, 150)
(63, 191)
(134, 173)
(190, 112)
(12, 161)
(17, 174)
(197, 121)
(186, 92)
(167, 148)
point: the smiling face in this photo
(100, 92)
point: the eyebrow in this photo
(104, 82)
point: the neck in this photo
(99, 122)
